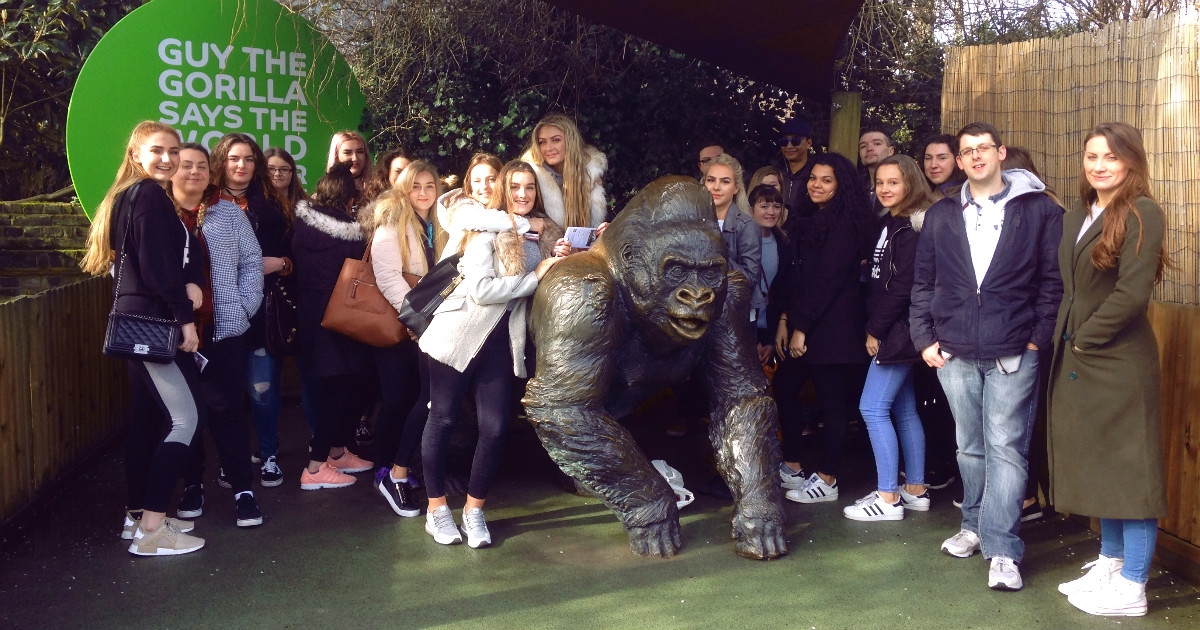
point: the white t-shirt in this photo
(1088, 221)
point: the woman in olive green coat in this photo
(1105, 438)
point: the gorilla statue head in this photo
(667, 256)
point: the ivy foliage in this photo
(42, 46)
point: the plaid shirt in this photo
(236, 267)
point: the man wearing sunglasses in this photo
(986, 290)
(795, 142)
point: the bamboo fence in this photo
(1046, 94)
(60, 398)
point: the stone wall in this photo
(40, 246)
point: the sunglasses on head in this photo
(794, 141)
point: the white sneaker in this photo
(964, 544)
(791, 480)
(440, 524)
(916, 503)
(1099, 572)
(873, 508)
(1118, 598)
(476, 529)
(815, 490)
(1003, 575)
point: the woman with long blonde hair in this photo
(570, 173)
(407, 240)
(138, 235)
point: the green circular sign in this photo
(208, 69)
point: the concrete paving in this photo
(342, 559)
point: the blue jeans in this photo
(1132, 540)
(266, 397)
(888, 393)
(993, 419)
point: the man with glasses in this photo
(795, 142)
(985, 296)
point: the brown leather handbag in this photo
(359, 310)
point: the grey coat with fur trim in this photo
(493, 268)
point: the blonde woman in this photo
(466, 208)
(569, 171)
(351, 148)
(407, 240)
(136, 229)
(477, 343)
(725, 180)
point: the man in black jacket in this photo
(985, 295)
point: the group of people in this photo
(953, 268)
(965, 266)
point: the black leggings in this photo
(404, 400)
(838, 388)
(490, 376)
(222, 386)
(338, 402)
(161, 392)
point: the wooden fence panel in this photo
(59, 397)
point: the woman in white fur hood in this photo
(570, 173)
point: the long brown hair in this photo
(220, 155)
(502, 198)
(1125, 142)
(99, 253)
(295, 190)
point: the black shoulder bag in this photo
(423, 299)
(132, 336)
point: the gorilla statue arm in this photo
(743, 428)
(565, 401)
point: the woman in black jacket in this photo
(137, 236)
(334, 367)
(888, 393)
(823, 324)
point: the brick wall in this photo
(40, 246)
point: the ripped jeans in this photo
(266, 397)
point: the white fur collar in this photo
(552, 197)
(344, 230)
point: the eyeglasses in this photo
(974, 151)
(282, 170)
(794, 141)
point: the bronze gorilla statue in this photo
(652, 302)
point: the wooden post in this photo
(844, 124)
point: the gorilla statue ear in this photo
(627, 252)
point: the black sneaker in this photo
(192, 503)
(248, 514)
(938, 480)
(362, 435)
(399, 495)
(1032, 512)
(271, 475)
(222, 480)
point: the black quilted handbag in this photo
(280, 317)
(138, 337)
(423, 299)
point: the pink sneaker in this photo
(326, 477)
(350, 463)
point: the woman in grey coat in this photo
(476, 343)
(1105, 441)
